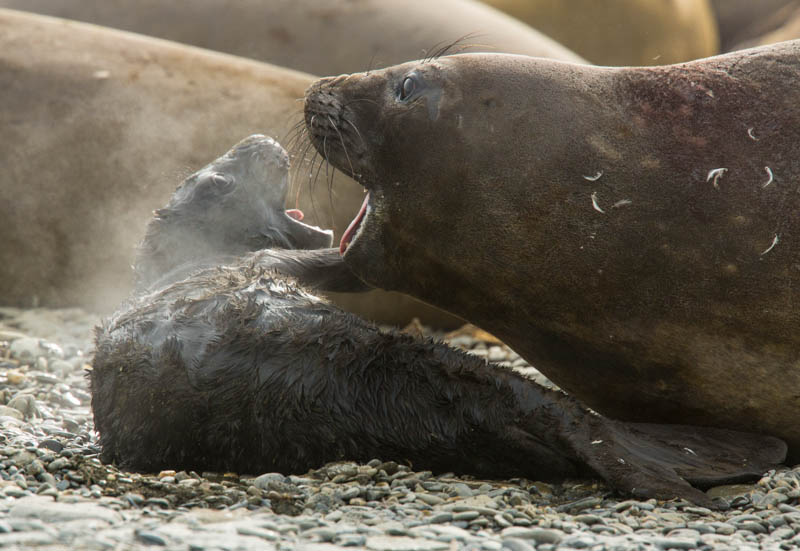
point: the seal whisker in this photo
(295, 180)
(344, 148)
(449, 47)
(293, 135)
(329, 170)
(360, 137)
(358, 100)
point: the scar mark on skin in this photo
(769, 173)
(716, 174)
(595, 177)
(774, 242)
(622, 203)
(594, 203)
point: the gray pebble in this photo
(539, 535)
(63, 368)
(25, 404)
(351, 540)
(25, 349)
(461, 490)
(588, 519)
(514, 544)
(496, 354)
(404, 543)
(674, 543)
(754, 527)
(263, 482)
(47, 510)
(430, 499)
(782, 533)
(724, 528)
(579, 541)
(15, 491)
(26, 540)
(441, 517)
(581, 504)
(6, 411)
(150, 538)
(58, 464)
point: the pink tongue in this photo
(297, 214)
(350, 232)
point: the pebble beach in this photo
(56, 494)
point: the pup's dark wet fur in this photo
(243, 368)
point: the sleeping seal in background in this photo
(242, 367)
(631, 232)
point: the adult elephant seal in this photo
(307, 35)
(97, 124)
(629, 231)
(239, 367)
(623, 32)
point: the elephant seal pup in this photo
(237, 195)
(239, 367)
(629, 231)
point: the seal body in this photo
(238, 367)
(307, 36)
(629, 231)
(623, 32)
(743, 22)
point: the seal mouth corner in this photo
(353, 230)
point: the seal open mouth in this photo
(352, 230)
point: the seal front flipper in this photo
(661, 461)
(321, 269)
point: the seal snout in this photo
(332, 128)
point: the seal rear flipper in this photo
(708, 457)
(661, 461)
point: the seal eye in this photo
(408, 87)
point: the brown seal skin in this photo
(307, 35)
(623, 32)
(239, 367)
(131, 115)
(629, 231)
